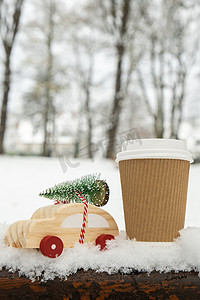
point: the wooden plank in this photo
(92, 285)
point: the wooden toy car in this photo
(53, 227)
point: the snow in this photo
(122, 255)
(22, 178)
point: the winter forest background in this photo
(79, 77)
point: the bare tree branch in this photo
(144, 93)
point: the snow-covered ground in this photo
(21, 180)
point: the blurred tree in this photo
(120, 21)
(83, 76)
(39, 102)
(119, 14)
(86, 50)
(10, 15)
(171, 59)
(49, 108)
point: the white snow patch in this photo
(122, 255)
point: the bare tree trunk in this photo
(145, 94)
(158, 87)
(173, 110)
(53, 135)
(88, 111)
(9, 26)
(160, 121)
(180, 104)
(6, 89)
(118, 97)
(116, 107)
(48, 108)
(45, 146)
(178, 96)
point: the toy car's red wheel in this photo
(102, 239)
(51, 246)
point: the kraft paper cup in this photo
(154, 180)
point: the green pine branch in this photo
(94, 190)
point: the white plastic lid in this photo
(154, 148)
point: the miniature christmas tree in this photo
(94, 190)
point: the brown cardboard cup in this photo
(154, 192)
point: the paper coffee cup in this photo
(154, 180)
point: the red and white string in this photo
(82, 234)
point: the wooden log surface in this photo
(92, 285)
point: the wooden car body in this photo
(63, 221)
